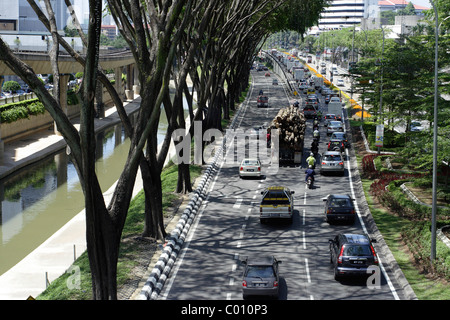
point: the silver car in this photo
(332, 161)
(334, 126)
(261, 277)
(250, 168)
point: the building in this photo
(346, 13)
(17, 17)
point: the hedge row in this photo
(20, 110)
(24, 109)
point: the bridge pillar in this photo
(130, 79)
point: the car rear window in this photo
(251, 162)
(275, 197)
(340, 203)
(357, 250)
(260, 272)
(332, 157)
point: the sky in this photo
(425, 3)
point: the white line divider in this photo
(175, 240)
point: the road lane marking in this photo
(304, 217)
(308, 277)
(237, 203)
(304, 240)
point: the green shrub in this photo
(11, 86)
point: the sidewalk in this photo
(55, 255)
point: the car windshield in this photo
(260, 272)
(340, 203)
(331, 157)
(357, 250)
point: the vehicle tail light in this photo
(275, 283)
(340, 255)
(375, 258)
(329, 144)
(244, 283)
(341, 163)
(352, 211)
(259, 168)
(323, 162)
(241, 168)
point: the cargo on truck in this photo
(291, 125)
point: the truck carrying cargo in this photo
(291, 125)
(318, 82)
(299, 74)
(335, 107)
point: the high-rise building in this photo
(16, 16)
(343, 13)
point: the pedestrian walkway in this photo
(53, 257)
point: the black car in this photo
(352, 255)
(261, 277)
(339, 208)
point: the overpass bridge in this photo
(120, 61)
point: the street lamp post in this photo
(435, 131)
(381, 86)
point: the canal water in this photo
(39, 199)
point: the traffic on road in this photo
(259, 212)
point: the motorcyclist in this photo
(319, 115)
(311, 160)
(316, 134)
(314, 147)
(261, 92)
(316, 124)
(296, 104)
(309, 173)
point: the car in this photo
(416, 126)
(334, 126)
(332, 161)
(329, 116)
(312, 101)
(323, 71)
(336, 143)
(261, 277)
(267, 74)
(340, 83)
(352, 255)
(309, 111)
(250, 167)
(339, 207)
(277, 202)
(341, 136)
(275, 82)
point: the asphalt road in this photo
(228, 228)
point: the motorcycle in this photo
(309, 182)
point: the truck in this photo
(277, 202)
(318, 82)
(335, 107)
(299, 74)
(291, 125)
